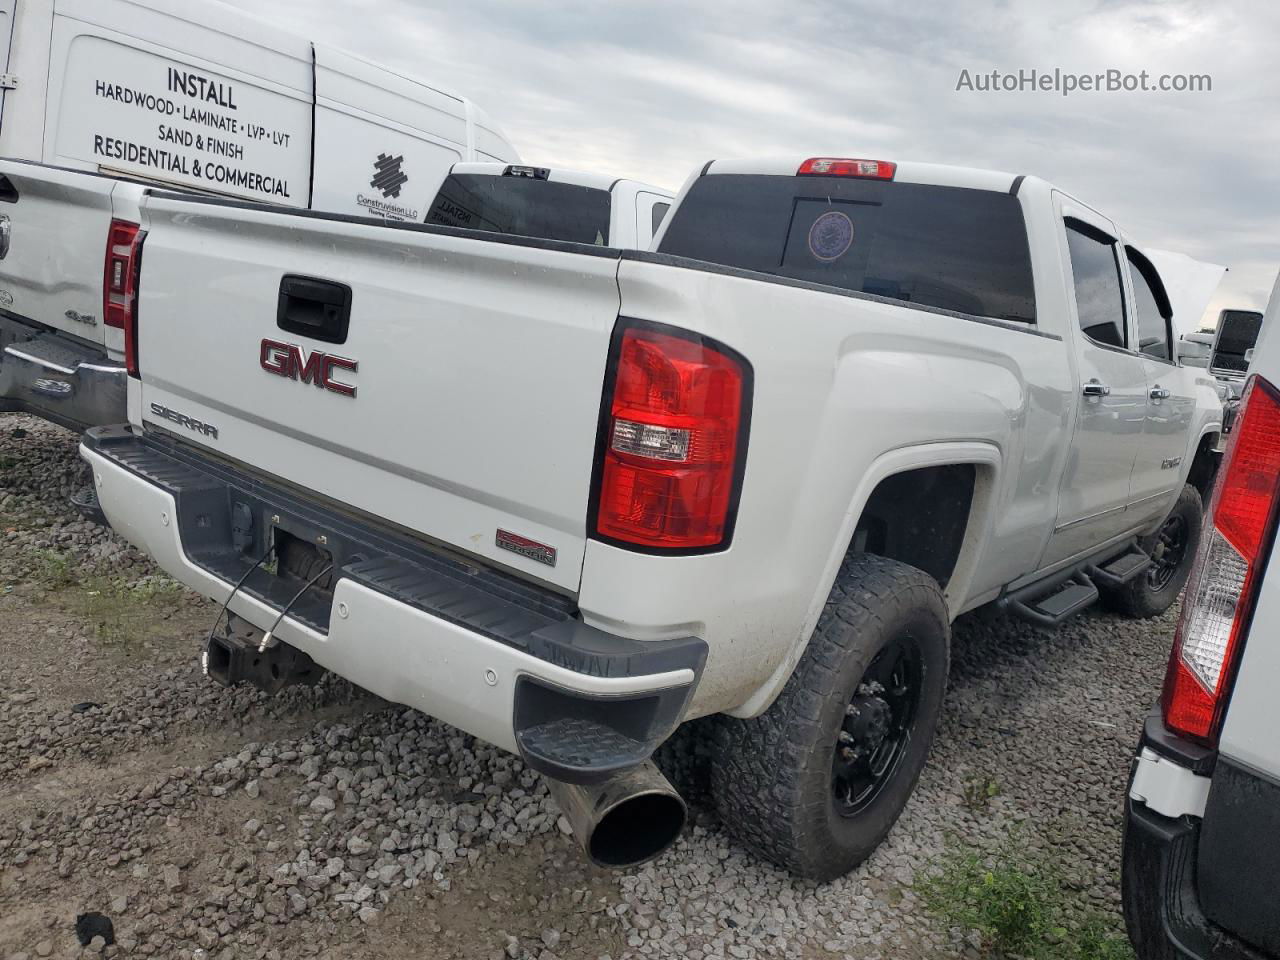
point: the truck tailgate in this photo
(461, 401)
(57, 223)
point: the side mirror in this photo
(1192, 354)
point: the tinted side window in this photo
(948, 247)
(1153, 323)
(1096, 274)
(523, 207)
(659, 211)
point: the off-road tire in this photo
(772, 775)
(1140, 598)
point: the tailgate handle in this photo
(319, 309)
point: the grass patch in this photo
(121, 613)
(53, 570)
(1019, 907)
(980, 791)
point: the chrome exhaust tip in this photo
(625, 821)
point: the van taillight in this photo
(673, 441)
(1222, 590)
(120, 285)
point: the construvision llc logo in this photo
(388, 178)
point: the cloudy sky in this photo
(653, 89)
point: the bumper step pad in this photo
(579, 744)
(85, 502)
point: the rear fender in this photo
(986, 459)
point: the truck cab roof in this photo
(1182, 286)
(579, 178)
(906, 171)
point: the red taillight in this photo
(120, 285)
(1220, 596)
(840, 167)
(674, 441)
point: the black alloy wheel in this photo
(1169, 552)
(877, 727)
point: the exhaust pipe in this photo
(626, 820)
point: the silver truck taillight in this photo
(120, 276)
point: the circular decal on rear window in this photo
(831, 236)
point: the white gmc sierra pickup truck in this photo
(565, 497)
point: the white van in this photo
(199, 95)
(196, 96)
(1202, 826)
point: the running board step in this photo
(1120, 571)
(1060, 604)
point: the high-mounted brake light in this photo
(1222, 591)
(120, 285)
(531, 173)
(841, 167)
(674, 441)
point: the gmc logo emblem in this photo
(292, 361)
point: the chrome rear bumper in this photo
(52, 377)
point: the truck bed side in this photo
(56, 223)
(848, 390)
(60, 360)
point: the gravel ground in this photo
(211, 823)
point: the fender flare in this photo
(1193, 448)
(1207, 429)
(985, 455)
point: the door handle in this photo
(319, 309)
(1158, 393)
(1095, 388)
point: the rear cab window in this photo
(658, 213)
(523, 207)
(951, 248)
